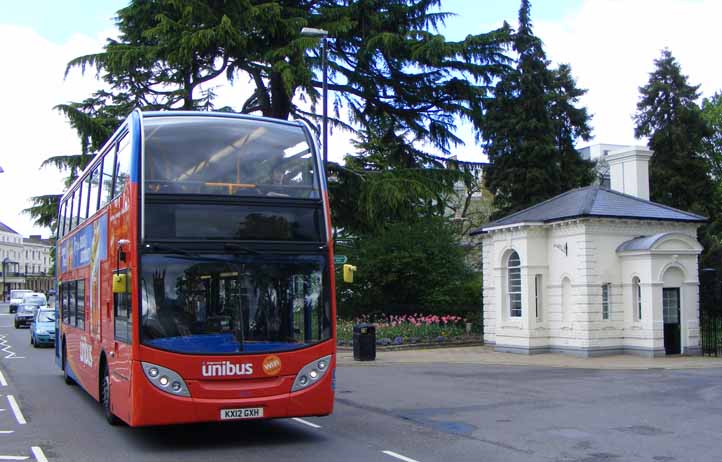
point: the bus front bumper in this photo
(151, 406)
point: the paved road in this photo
(415, 412)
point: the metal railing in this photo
(710, 313)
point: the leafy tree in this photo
(385, 58)
(166, 50)
(712, 114)
(679, 173)
(389, 181)
(530, 127)
(406, 265)
(386, 61)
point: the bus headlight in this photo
(161, 377)
(311, 373)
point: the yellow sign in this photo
(348, 271)
(121, 283)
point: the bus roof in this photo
(137, 115)
(230, 115)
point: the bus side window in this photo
(106, 182)
(93, 182)
(63, 305)
(71, 215)
(72, 307)
(121, 310)
(85, 208)
(122, 165)
(80, 305)
(62, 219)
(81, 203)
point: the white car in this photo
(35, 298)
(16, 298)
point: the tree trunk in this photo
(280, 101)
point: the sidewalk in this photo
(487, 355)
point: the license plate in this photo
(245, 413)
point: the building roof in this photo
(646, 243)
(7, 229)
(36, 239)
(593, 201)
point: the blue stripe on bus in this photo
(218, 343)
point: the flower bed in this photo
(408, 329)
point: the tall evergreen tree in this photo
(530, 127)
(571, 123)
(668, 114)
(679, 174)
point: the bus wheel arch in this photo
(104, 394)
(66, 376)
(102, 366)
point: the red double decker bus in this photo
(196, 274)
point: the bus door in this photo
(120, 355)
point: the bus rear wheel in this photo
(105, 398)
(66, 376)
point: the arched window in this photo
(566, 300)
(514, 284)
(637, 299)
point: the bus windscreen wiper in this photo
(239, 248)
(182, 253)
(171, 249)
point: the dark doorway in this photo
(672, 330)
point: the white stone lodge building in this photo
(594, 271)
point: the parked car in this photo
(16, 298)
(25, 314)
(42, 329)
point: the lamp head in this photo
(313, 32)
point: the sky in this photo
(610, 44)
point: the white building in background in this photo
(594, 271)
(36, 255)
(26, 262)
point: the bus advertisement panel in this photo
(196, 272)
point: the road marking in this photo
(3, 382)
(6, 348)
(16, 410)
(6, 432)
(14, 457)
(399, 456)
(38, 453)
(306, 422)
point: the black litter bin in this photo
(364, 342)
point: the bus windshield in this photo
(228, 156)
(215, 304)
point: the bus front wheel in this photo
(105, 398)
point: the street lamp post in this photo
(5, 270)
(323, 35)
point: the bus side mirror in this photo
(348, 271)
(122, 244)
(120, 283)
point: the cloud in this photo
(611, 46)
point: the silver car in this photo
(25, 314)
